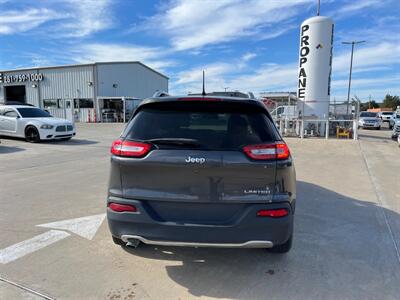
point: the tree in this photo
(391, 101)
(370, 104)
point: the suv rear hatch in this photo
(197, 165)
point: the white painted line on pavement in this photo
(85, 227)
(44, 296)
(38, 242)
(381, 200)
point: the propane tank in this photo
(315, 66)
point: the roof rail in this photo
(158, 94)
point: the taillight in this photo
(277, 150)
(130, 148)
(282, 151)
(273, 213)
(122, 207)
(264, 151)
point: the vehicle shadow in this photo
(374, 137)
(12, 138)
(71, 142)
(7, 149)
(342, 249)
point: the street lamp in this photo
(225, 88)
(352, 43)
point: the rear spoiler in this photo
(160, 94)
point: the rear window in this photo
(212, 127)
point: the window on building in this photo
(52, 103)
(83, 103)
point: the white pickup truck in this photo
(395, 124)
(395, 118)
(285, 112)
(386, 116)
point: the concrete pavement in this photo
(347, 228)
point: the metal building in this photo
(97, 92)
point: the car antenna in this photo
(204, 89)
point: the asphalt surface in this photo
(346, 245)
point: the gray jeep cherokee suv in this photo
(202, 171)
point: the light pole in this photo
(225, 88)
(352, 43)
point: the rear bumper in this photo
(244, 230)
(249, 244)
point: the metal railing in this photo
(322, 128)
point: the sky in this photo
(246, 45)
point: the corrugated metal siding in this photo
(64, 83)
(86, 115)
(133, 80)
(32, 95)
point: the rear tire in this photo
(379, 128)
(284, 248)
(32, 135)
(118, 241)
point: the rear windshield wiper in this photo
(175, 141)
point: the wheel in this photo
(379, 128)
(284, 248)
(32, 135)
(118, 241)
(390, 126)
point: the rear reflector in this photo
(277, 150)
(122, 207)
(130, 148)
(273, 213)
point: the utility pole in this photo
(352, 43)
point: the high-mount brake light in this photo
(277, 150)
(130, 148)
(199, 99)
